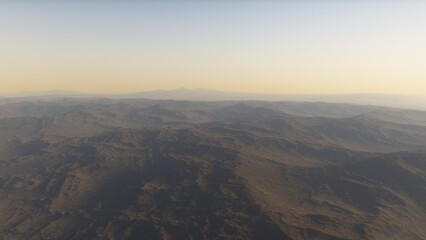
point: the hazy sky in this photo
(250, 46)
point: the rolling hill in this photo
(98, 168)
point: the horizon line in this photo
(77, 92)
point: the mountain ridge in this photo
(199, 94)
(163, 169)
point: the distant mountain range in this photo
(388, 100)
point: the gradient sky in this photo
(248, 46)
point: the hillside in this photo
(164, 169)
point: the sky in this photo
(290, 47)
